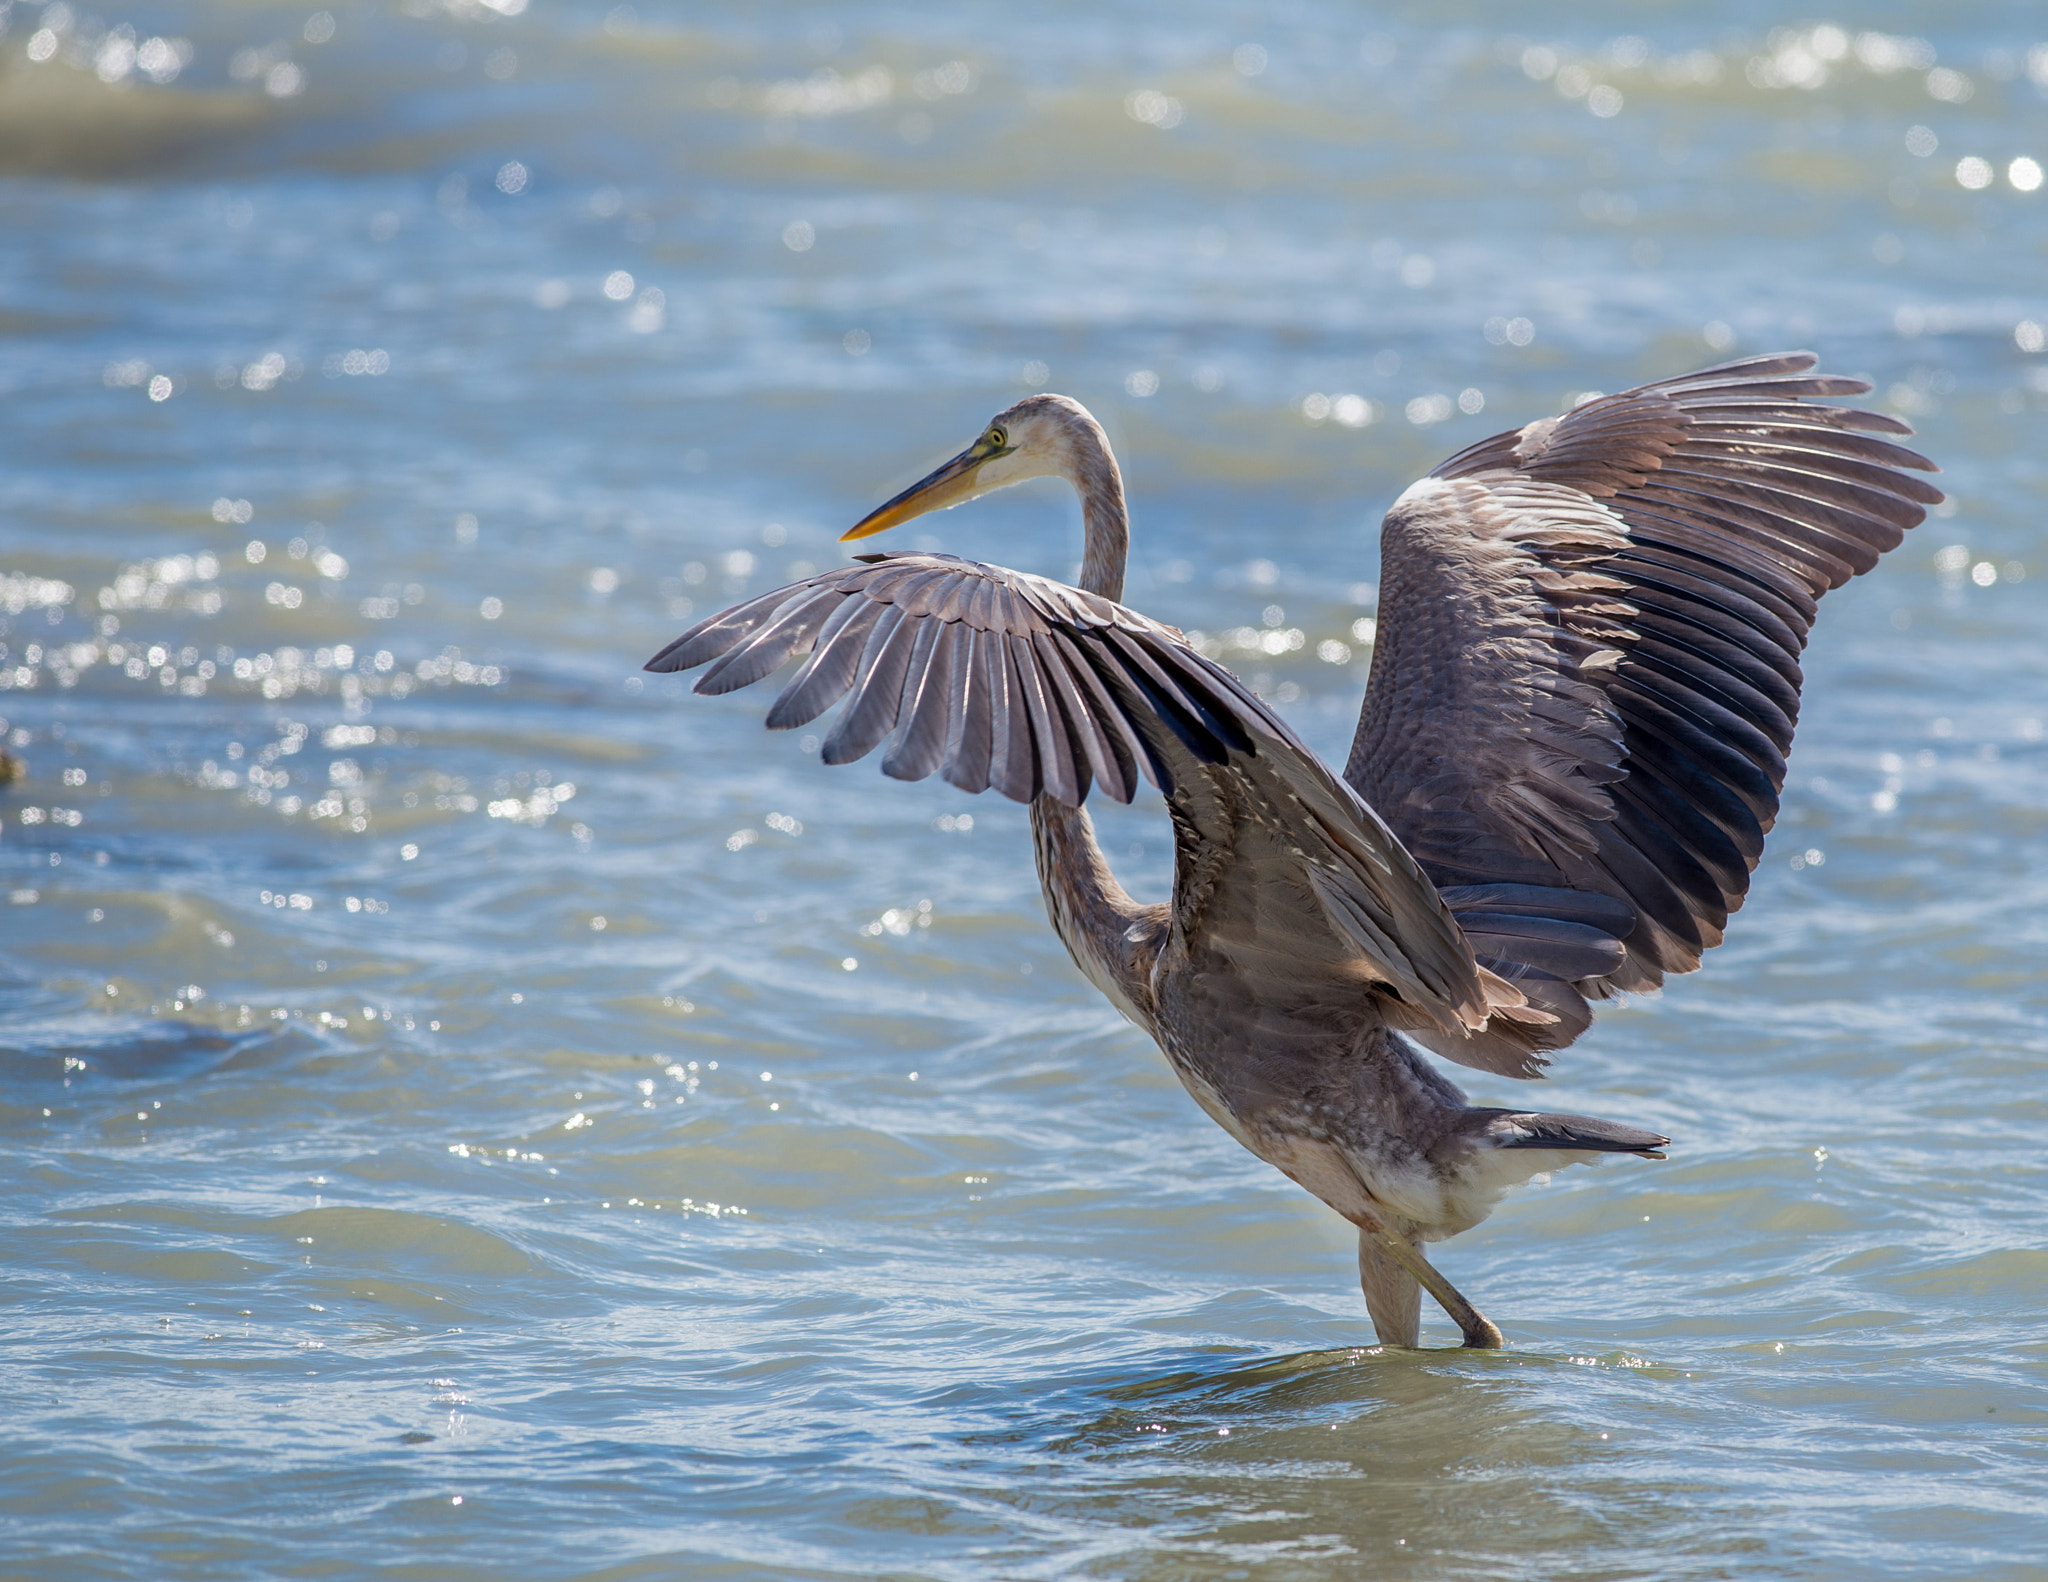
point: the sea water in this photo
(471, 1109)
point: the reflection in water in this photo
(1398, 1458)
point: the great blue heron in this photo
(1571, 747)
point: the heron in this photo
(1570, 751)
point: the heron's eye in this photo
(997, 439)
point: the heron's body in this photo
(1570, 751)
(1260, 1009)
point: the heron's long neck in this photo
(1105, 525)
(1088, 907)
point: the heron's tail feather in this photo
(1574, 1133)
(1490, 1151)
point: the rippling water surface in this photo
(472, 1110)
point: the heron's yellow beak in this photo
(949, 485)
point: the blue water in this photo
(469, 1109)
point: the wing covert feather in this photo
(999, 679)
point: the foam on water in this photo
(473, 1107)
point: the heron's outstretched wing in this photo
(1586, 674)
(998, 678)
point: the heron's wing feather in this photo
(997, 678)
(1586, 675)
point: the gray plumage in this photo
(1568, 757)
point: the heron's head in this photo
(1042, 436)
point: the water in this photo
(717, 1169)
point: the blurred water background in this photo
(470, 1110)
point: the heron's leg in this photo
(1392, 1295)
(1384, 1244)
